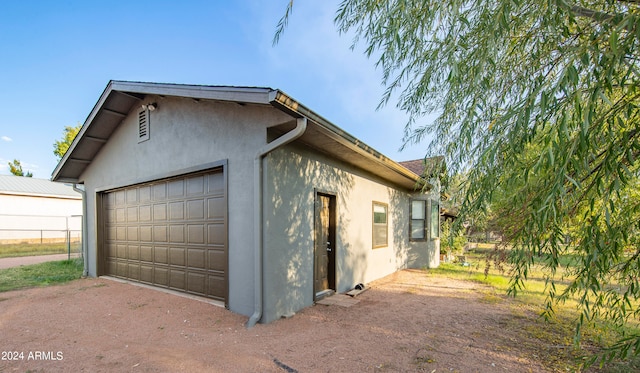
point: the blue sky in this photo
(56, 58)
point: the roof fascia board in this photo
(85, 126)
(284, 102)
(236, 94)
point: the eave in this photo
(119, 98)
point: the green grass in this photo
(30, 249)
(42, 274)
(559, 330)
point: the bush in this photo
(450, 242)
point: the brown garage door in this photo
(170, 233)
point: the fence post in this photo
(68, 244)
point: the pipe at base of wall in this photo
(301, 126)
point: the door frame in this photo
(332, 265)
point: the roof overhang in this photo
(119, 98)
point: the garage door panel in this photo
(160, 233)
(217, 259)
(132, 233)
(216, 285)
(146, 253)
(217, 234)
(144, 193)
(177, 256)
(161, 276)
(170, 233)
(195, 185)
(216, 208)
(134, 252)
(132, 214)
(119, 198)
(176, 234)
(121, 233)
(176, 210)
(196, 258)
(146, 274)
(121, 216)
(121, 268)
(121, 251)
(176, 188)
(195, 209)
(195, 234)
(216, 184)
(197, 282)
(161, 255)
(145, 213)
(160, 212)
(160, 191)
(146, 233)
(133, 271)
(177, 279)
(132, 196)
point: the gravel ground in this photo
(405, 322)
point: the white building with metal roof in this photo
(37, 210)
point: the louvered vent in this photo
(143, 125)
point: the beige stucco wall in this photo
(184, 134)
(292, 174)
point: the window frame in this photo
(434, 208)
(423, 220)
(379, 226)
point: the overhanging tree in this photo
(61, 146)
(538, 102)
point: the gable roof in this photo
(119, 97)
(28, 186)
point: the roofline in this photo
(284, 102)
(255, 95)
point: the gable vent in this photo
(143, 125)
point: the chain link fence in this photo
(22, 235)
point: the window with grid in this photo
(380, 225)
(418, 229)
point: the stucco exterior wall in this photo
(292, 174)
(185, 133)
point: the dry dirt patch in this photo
(405, 322)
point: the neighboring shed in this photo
(242, 195)
(37, 210)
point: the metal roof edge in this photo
(257, 95)
(286, 103)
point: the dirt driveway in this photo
(405, 322)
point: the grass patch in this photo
(553, 338)
(30, 249)
(42, 274)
